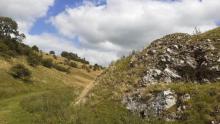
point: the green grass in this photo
(104, 108)
(45, 99)
(46, 107)
(106, 112)
(50, 108)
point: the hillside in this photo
(46, 84)
(173, 80)
(38, 87)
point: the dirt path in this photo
(84, 93)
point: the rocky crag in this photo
(175, 78)
(174, 58)
(178, 58)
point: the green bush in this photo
(35, 48)
(52, 52)
(34, 59)
(3, 47)
(23, 49)
(47, 63)
(73, 64)
(74, 56)
(21, 72)
(85, 67)
(61, 68)
(96, 67)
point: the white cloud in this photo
(50, 42)
(109, 31)
(131, 24)
(25, 12)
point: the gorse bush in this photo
(52, 52)
(21, 72)
(73, 64)
(34, 60)
(47, 63)
(85, 67)
(61, 68)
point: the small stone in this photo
(170, 73)
(209, 40)
(176, 46)
(184, 107)
(169, 50)
(186, 97)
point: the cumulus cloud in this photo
(49, 42)
(25, 12)
(131, 24)
(109, 31)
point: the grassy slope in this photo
(104, 102)
(45, 100)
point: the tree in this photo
(52, 52)
(35, 48)
(74, 56)
(9, 29)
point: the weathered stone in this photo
(173, 58)
(152, 107)
(179, 62)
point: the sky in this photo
(104, 30)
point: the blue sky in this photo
(42, 24)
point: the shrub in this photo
(34, 59)
(54, 56)
(73, 56)
(85, 67)
(23, 49)
(52, 52)
(61, 68)
(73, 64)
(3, 47)
(21, 72)
(35, 48)
(96, 67)
(47, 63)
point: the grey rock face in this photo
(175, 58)
(154, 106)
